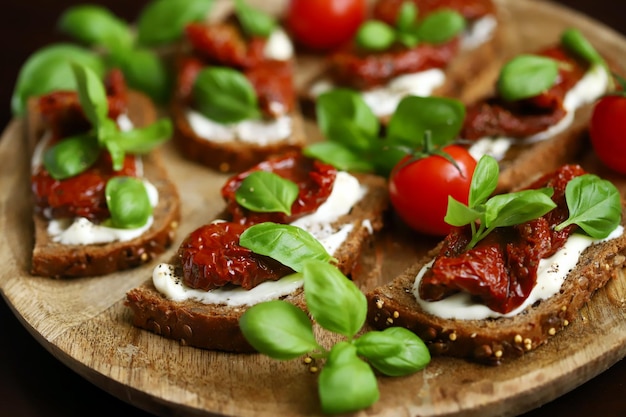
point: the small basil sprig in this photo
(48, 69)
(66, 159)
(267, 192)
(436, 28)
(485, 213)
(128, 202)
(347, 381)
(354, 139)
(225, 95)
(526, 76)
(594, 204)
(282, 331)
(163, 21)
(253, 21)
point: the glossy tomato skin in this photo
(419, 189)
(607, 130)
(323, 25)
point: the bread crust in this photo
(492, 341)
(216, 327)
(58, 260)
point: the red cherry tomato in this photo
(419, 189)
(607, 130)
(323, 25)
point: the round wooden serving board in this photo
(85, 324)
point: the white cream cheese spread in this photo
(346, 192)
(551, 274)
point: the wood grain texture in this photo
(84, 323)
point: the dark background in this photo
(33, 383)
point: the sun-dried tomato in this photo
(497, 117)
(211, 257)
(81, 195)
(501, 270)
(315, 181)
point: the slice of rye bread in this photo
(492, 341)
(58, 260)
(216, 327)
(230, 156)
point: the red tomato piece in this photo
(419, 189)
(607, 129)
(323, 25)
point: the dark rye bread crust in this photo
(233, 156)
(216, 327)
(57, 260)
(492, 341)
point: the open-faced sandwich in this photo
(234, 102)
(418, 48)
(199, 296)
(102, 198)
(514, 271)
(539, 113)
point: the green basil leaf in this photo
(349, 134)
(376, 344)
(92, 94)
(128, 202)
(387, 154)
(145, 71)
(345, 106)
(395, 351)
(267, 192)
(594, 205)
(225, 95)
(515, 208)
(71, 156)
(48, 69)
(334, 301)
(346, 383)
(526, 76)
(289, 245)
(339, 156)
(278, 329)
(575, 42)
(484, 180)
(96, 25)
(407, 16)
(458, 214)
(145, 139)
(441, 26)
(117, 154)
(407, 39)
(375, 35)
(163, 21)
(253, 21)
(414, 116)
